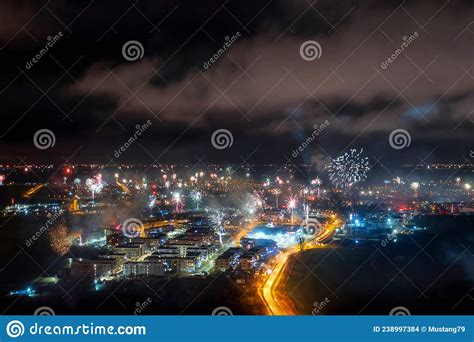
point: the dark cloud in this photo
(260, 88)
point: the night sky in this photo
(260, 88)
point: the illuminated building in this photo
(147, 268)
(229, 259)
(134, 250)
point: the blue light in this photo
(422, 110)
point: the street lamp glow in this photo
(415, 186)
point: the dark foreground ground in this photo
(431, 272)
(159, 296)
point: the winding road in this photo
(273, 290)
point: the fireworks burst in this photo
(291, 202)
(152, 201)
(276, 192)
(217, 220)
(349, 169)
(217, 223)
(61, 240)
(95, 185)
(415, 186)
(258, 200)
(178, 201)
(317, 182)
(254, 202)
(196, 196)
